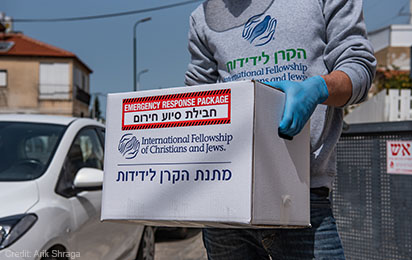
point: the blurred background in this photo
(101, 36)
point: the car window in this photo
(102, 133)
(85, 151)
(39, 147)
(26, 149)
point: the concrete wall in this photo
(22, 84)
(398, 56)
(396, 35)
(80, 109)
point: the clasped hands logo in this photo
(129, 146)
(258, 31)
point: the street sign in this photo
(399, 157)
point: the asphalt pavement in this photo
(168, 247)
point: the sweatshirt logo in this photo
(259, 31)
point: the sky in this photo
(106, 45)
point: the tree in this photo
(96, 112)
(393, 79)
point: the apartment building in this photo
(36, 77)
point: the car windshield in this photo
(26, 149)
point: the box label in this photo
(399, 157)
(180, 154)
(177, 110)
(132, 145)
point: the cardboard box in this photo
(205, 155)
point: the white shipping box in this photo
(206, 155)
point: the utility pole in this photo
(134, 49)
(410, 11)
(410, 52)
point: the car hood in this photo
(17, 197)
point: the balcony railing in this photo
(62, 92)
(82, 95)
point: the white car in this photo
(50, 193)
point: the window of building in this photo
(3, 78)
(84, 86)
(77, 74)
(54, 81)
(81, 79)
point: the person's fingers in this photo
(287, 119)
(279, 85)
(299, 126)
(293, 128)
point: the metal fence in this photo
(373, 209)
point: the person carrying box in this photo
(315, 51)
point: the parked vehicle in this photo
(51, 173)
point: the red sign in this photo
(177, 110)
(399, 157)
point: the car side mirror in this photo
(88, 179)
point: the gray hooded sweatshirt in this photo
(279, 40)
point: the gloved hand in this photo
(301, 100)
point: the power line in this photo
(400, 13)
(402, 10)
(103, 16)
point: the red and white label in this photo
(399, 157)
(177, 110)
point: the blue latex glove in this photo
(301, 100)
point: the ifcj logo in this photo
(129, 146)
(258, 31)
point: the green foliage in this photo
(393, 79)
(96, 108)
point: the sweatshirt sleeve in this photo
(202, 68)
(348, 48)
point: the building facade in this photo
(392, 46)
(36, 77)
